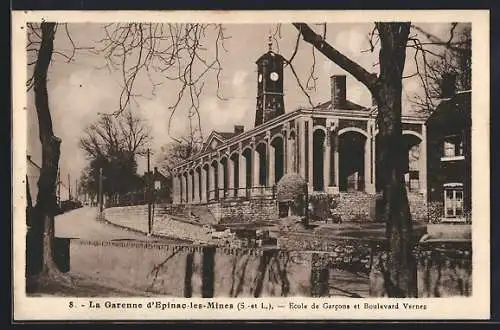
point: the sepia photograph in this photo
(305, 157)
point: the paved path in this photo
(82, 223)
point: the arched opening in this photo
(351, 161)
(225, 176)
(214, 189)
(279, 164)
(247, 153)
(206, 168)
(318, 160)
(198, 183)
(235, 163)
(411, 143)
(262, 159)
(181, 187)
(191, 185)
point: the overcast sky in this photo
(78, 91)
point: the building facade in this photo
(449, 158)
(332, 146)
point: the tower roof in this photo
(270, 53)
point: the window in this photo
(453, 146)
(453, 202)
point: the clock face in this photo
(260, 77)
(274, 76)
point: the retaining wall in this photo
(195, 271)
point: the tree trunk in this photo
(46, 199)
(401, 273)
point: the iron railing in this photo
(247, 193)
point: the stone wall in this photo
(136, 217)
(353, 268)
(255, 210)
(188, 271)
(360, 206)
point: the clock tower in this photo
(270, 103)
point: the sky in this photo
(80, 90)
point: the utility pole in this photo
(148, 189)
(69, 187)
(76, 189)
(100, 192)
(59, 187)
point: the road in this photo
(82, 223)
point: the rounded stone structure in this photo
(291, 191)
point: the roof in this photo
(347, 106)
(269, 54)
(226, 135)
(458, 105)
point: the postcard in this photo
(223, 165)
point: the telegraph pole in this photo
(69, 187)
(59, 187)
(100, 192)
(148, 188)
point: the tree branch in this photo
(365, 77)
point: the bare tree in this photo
(174, 50)
(454, 57)
(110, 135)
(177, 151)
(177, 52)
(43, 222)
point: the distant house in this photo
(449, 156)
(161, 185)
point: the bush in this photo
(321, 205)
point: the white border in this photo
(475, 307)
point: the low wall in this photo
(353, 268)
(136, 217)
(237, 211)
(186, 271)
(360, 206)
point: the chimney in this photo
(238, 129)
(448, 81)
(338, 87)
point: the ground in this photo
(83, 223)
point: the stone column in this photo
(255, 169)
(230, 177)
(189, 190)
(336, 174)
(422, 163)
(182, 180)
(326, 162)
(176, 190)
(310, 155)
(286, 150)
(203, 185)
(212, 184)
(220, 183)
(374, 157)
(196, 177)
(302, 149)
(368, 163)
(242, 172)
(271, 153)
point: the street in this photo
(82, 223)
